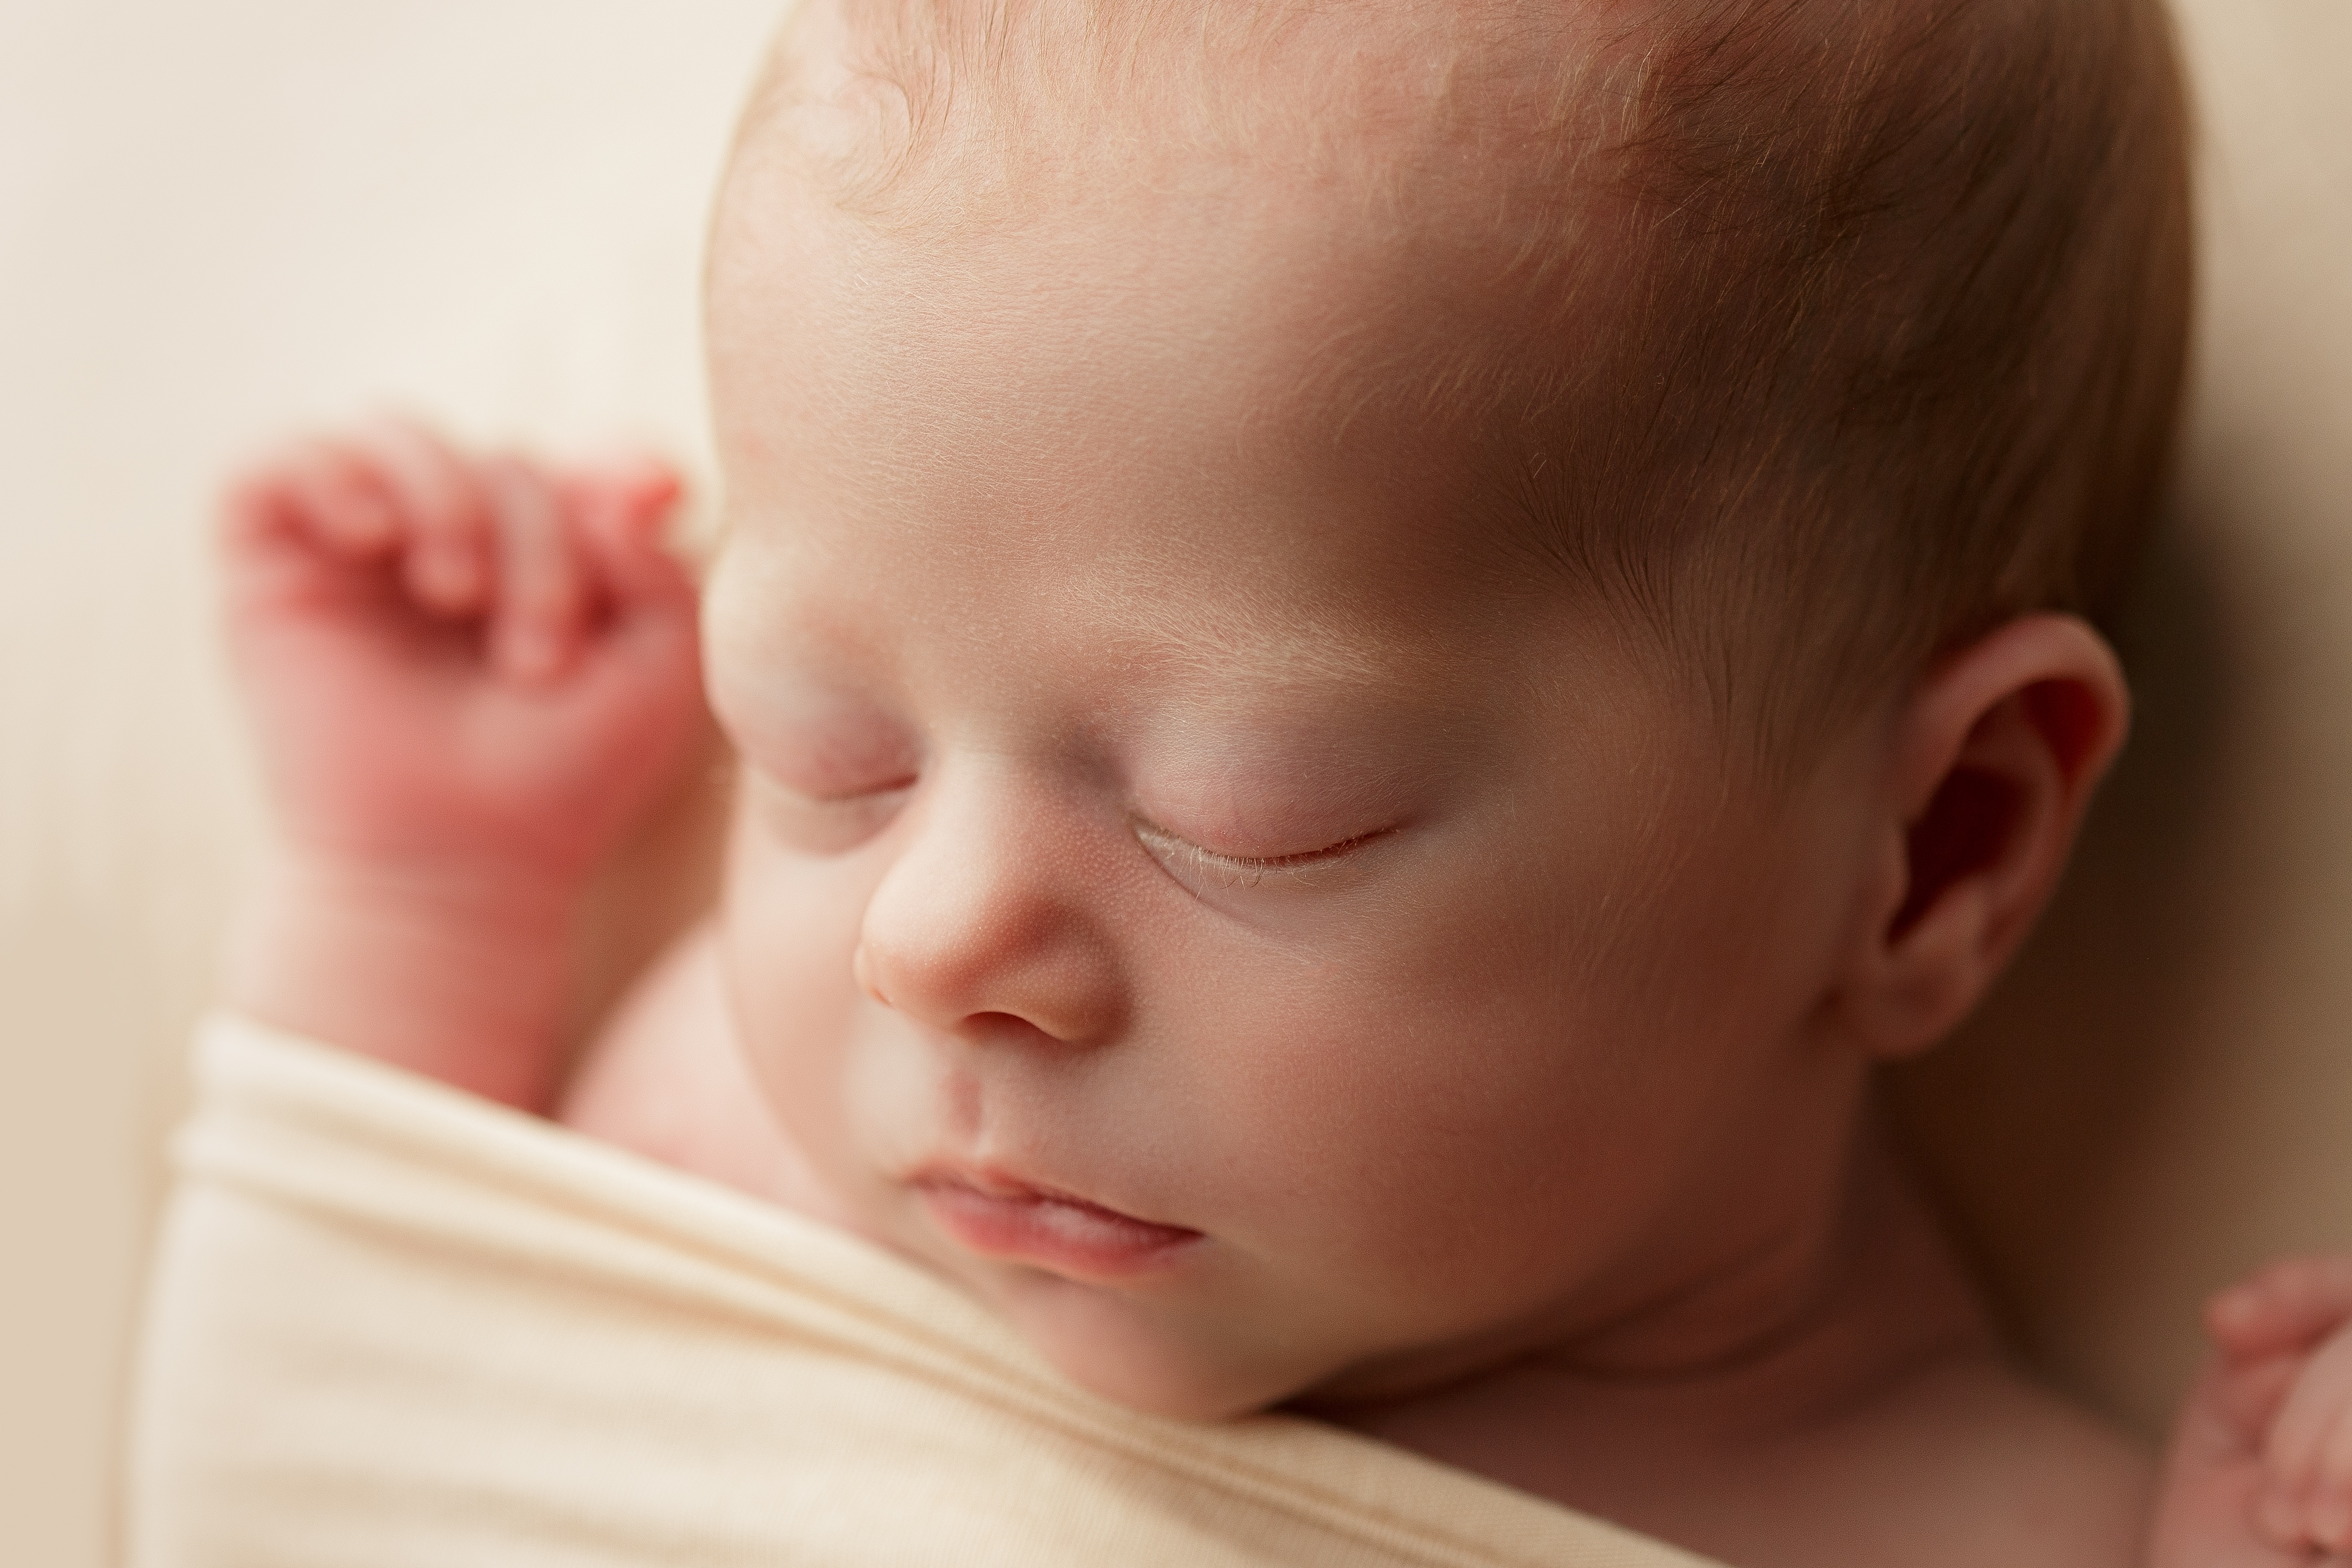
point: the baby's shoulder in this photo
(1970, 1465)
(1958, 1462)
(1949, 1462)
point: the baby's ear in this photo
(1993, 761)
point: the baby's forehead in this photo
(1413, 174)
(1306, 308)
(904, 108)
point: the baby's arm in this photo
(468, 678)
(2261, 1472)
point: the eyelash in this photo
(823, 824)
(1249, 870)
(862, 797)
(1232, 870)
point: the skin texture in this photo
(1157, 794)
(1145, 800)
(469, 677)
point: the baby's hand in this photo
(2300, 1312)
(468, 678)
(458, 661)
(2261, 1472)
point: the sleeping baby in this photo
(1379, 649)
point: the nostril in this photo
(1004, 1029)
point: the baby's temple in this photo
(1333, 849)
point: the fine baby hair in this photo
(1822, 334)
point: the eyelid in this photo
(822, 824)
(774, 781)
(856, 797)
(1251, 869)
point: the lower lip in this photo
(1062, 1236)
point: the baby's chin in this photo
(1145, 1357)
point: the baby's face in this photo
(1189, 887)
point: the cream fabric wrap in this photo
(392, 1324)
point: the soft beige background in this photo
(2161, 1096)
(221, 218)
(216, 220)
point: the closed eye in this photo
(827, 823)
(860, 796)
(1249, 870)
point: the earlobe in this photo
(1991, 765)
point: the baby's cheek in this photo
(1465, 1116)
(788, 931)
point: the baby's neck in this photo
(1749, 1445)
(1818, 1279)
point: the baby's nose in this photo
(979, 928)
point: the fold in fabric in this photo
(391, 1325)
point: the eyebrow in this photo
(1214, 654)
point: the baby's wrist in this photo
(450, 972)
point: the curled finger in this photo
(445, 509)
(536, 628)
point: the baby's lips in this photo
(1059, 1233)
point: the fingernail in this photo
(2282, 1518)
(533, 652)
(372, 521)
(649, 481)
(453, 573)
(2234, 1306)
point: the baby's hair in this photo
(1945, 253)
(1892, 343)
